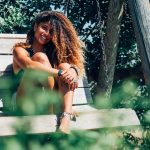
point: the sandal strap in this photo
(71, 116)
(66, 114)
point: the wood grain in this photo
(86, 120)
(7, 41)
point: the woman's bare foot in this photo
(65, 123)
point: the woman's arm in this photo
(22, 59)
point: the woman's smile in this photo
(42, 34)
(44, 39)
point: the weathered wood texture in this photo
(140, 13)
(7, 42)
(5, 61)
(111, 39)
(87, 120)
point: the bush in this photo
(36, 102)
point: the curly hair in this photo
(65, 45)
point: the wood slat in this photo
(83, 83)
(84, 108)
(5, 60)
(85, 121)
(105, 118)
(7, 45)
(12, 36)
(7, 42)
(82, 96)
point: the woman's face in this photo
(42, 32)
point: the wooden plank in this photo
(5, 60)
(7, 42)
(140, 13)
(84, 108)
(105, 118)
(85, 121)
(12, 36)
(7, 45)
(83, 82)
(82, 96)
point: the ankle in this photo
(66, 115)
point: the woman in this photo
(52, 46)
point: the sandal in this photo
(68, 115)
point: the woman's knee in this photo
(64, 66)
(41, 57)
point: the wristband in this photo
(59, 72)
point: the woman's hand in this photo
(70, 77)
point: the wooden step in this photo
(89, 118)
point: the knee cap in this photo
(39, 56)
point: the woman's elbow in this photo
(25, 65)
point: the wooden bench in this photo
(89, 117)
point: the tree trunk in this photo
(140, 13)
(111, 40)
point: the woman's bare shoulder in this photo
(18, 50)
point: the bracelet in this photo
(76, 69)
(59, 72)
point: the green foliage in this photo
(128, 59)
(36, 101)
(36, 98)
(13, 20)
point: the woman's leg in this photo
(39, 57)
(42, 58)
(67, 101)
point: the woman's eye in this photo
(45, 28)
